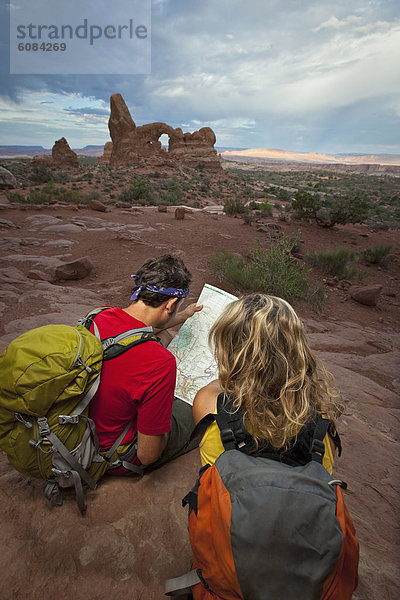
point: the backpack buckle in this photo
(318, 450)
(68, 419)
(228, 439)
(44, 428)
(108, 342)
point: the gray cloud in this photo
(301, 75)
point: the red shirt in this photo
(139, 384)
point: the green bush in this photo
(306, 205)
(269, 270)
(170, 198)
(331, 210)
(40, 174)
(95, 195)
(235, 206)
(140, 191)
(50, 194)
(378, 255)
(348, 209)
(333, 262)
(265, 207)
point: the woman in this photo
(258, 528)
(269, 377)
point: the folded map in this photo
(196, 366)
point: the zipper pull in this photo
(21, 419)
(79, 362)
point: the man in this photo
(138, 386)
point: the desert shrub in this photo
(266, 209)
(348, 209)
(18, 167)
(50, 194)
(283, 194)
(254, 205)
(95, 195)
(170, 198)
(15, 197)
(306, 205)
(139, 192)
(175, 190)
(331, 210)
(270, 270)
(248, 217)
(378, 255)
(40, 174)
(235, 205)
(333, 262)
(317, 297)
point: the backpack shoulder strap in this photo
(114, 346)
(234, 433)
(317, 445)
(88, 319)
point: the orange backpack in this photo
(260, 528)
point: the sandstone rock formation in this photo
(366, 294)
(61, 156)
(76, 269)
(97, 205)
(7, 179)
(105, 158)
(179, 213)
(133, 145)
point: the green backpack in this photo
(48, 377)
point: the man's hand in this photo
(188, 312)
(179, 317)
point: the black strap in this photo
(227, 436)
(317, 445)
(192, 497)
(114, 350)
(202, 426)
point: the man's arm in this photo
(150, 447)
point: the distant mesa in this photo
(275, 158)
(61, 156)
(140, 145)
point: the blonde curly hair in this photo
(269, 371)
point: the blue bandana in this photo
(176, 292)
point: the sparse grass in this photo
(333, 262)
(50, 194)
(235, 206)
(269, 270)
(170, 198)
(378, 255)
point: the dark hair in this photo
(166, 271)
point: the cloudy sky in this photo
(302, 75)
